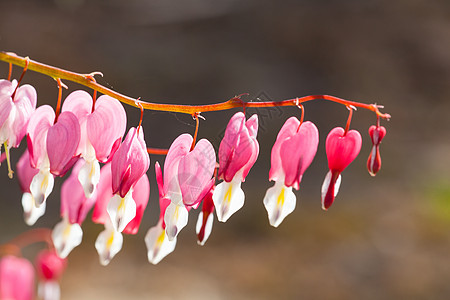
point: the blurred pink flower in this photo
(16, 278)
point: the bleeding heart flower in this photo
(205, 218)
(342, 148)
(15, 113)
(110, 241)
(52, 147)
(25, 174)
(292, 153)
(101, 133)
(16, 278)
(49, 267)
(376, 133)
(156, 240)
(238, 152)
(187, 179)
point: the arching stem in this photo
(25, 67)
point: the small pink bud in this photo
(49, 265)
(376, 133)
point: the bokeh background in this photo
(386, 237)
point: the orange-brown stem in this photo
(197, 123)
(236, 102)
(349, 120)
(58, 104)
(25, 67)
(10, 72)
(157, 151)
(27, 238)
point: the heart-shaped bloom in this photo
(292, 153)
(342, 148)
(238, 152)
(101, 133)
(25, 174)
(52, 147)
(187, 178)
(15, 113)
(376, 133)
(16, 278)
(74, 208)
(49, 267)
(129, 164)
(156, 240)
(205, 218)
(110, 241)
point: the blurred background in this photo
(386, 237)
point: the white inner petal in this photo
(175, 218)
(89, 177)
(279, 202)
(41, 186)
(109, 242)
(31, 213)
(158, 244)
(228, 198)
(49, 290)
(121, 210)
(66, 236)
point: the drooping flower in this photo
(205, 218)
(16, 278)
(156, 240)
(376, 133)
(49, 267)
(17, 104)
(129, 164)
(109, 241)
(52, 147)
(101, 133)
(187, 178)
(342, 148)
(238, 152)
(292, 153)
(74, 208)
(25, 174)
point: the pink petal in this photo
(130, 162)
(49, 265)
(38, 126)
(239, 148)
(104, 193)
(25, 104)
(298, 152)
(16, 278)
(79, 103)
(105, 126)
(179, 148)
(62, 143)
(141, 193)
(195, 171)
(342, 150)
(74, 203)
(25, 172)
(287, 131)
(6, 104)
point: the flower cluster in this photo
(109, 172)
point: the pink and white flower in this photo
(205, 218)
(50, 268)
(376, 133)
(156, 240)
(238, 152)
(101, 132)
(25, 174)
(17, 104)
(110, 241)
(292, 154)
(342, 148)
(52, 147)
(187, 178)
